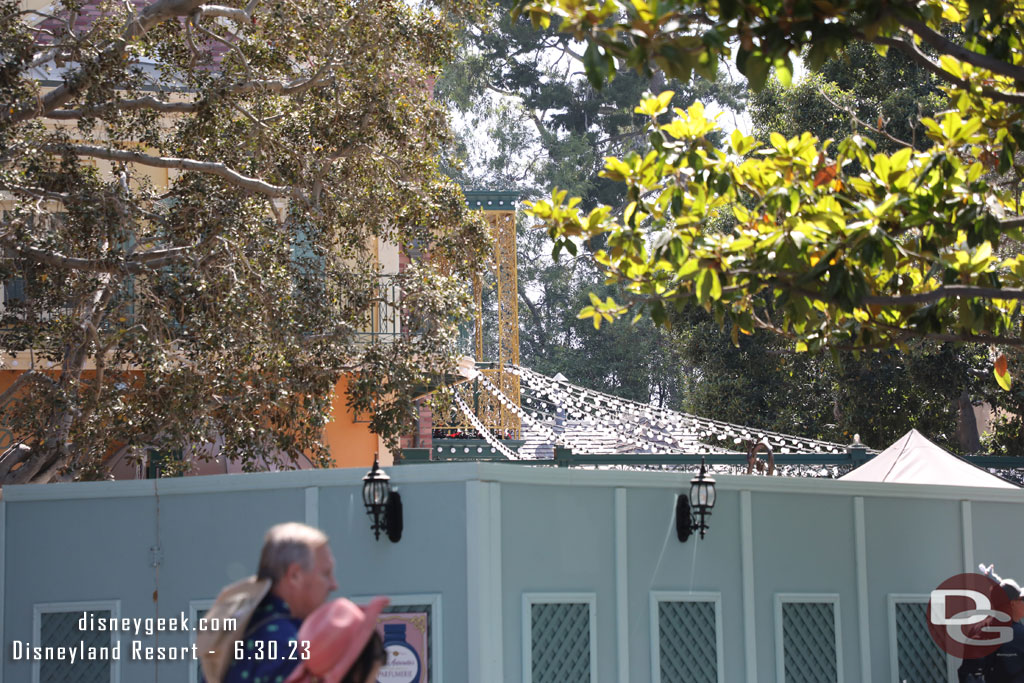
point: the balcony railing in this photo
(385, 320)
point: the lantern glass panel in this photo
(712, 495)
(380, 492)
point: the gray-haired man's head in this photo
(297, 559)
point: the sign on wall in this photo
(406, 637)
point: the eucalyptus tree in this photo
(193, 193)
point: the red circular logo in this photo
(969, 616)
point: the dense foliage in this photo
(853, 247)
(223, 301)
(934, 388)
(828, 244)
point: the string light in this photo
(632, 434)
(484, 431)
(615, 425)
(665, 422)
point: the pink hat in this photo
(337, 632)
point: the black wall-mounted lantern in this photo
(692, 512)
(383, 505)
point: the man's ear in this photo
(293, 573)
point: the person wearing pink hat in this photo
(344, 646)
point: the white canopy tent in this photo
(913, 459)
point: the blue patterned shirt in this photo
(270, 628)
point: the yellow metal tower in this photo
(500, 212)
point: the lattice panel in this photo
(61, 629)
(918, 658)
(560, 642)
(686, 637)
(809, 642)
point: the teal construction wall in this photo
(481, 536)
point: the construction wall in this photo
(537, 573)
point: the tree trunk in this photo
(967, 425)
(55, 454)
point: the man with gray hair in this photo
(295, 576)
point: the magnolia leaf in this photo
(1002, 373)
(826, 174)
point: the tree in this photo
(933, 388)
(531, 120)
(223, 303)
(833, 245)
(850, 94)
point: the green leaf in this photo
(716, 285)
(756, 70)
(784, 71)
(595, 63)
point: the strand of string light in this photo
(656, 441)
(484, 431)
(534, 423)
(669, 423)
(624, 410)
(716, 428)
(605, 420)
(704, 427)
(535, 397)
(521, 414)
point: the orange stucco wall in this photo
(7, 378)
(351, 443)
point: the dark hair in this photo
(371, 655)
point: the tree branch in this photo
(947, 292)
(127, 105)
(77, 81)
(136, 264)
(17, 452)
(37, 192)
(293, 87)
(946, 46)
(213, 168)
(921, 58)
(874, 129)
(229, 45)
(960, 338)
(21, 380)
(535, 314)
(241, 16)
